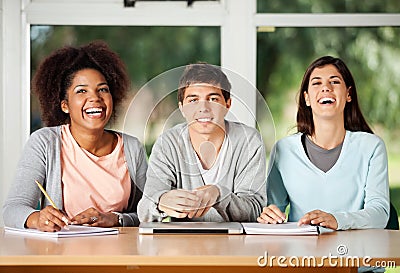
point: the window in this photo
(147, 52)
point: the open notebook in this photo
(289, 228)
(73, 231)
(190, 227)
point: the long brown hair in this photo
(353, 117)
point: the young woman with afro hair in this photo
(95, 176)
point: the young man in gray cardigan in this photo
(206, 169)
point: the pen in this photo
(51, 201)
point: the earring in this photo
(66, 111)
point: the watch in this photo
(120, 218)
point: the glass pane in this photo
(373, 56)
(328, 6)
(147, 52)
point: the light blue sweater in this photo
(355, 190)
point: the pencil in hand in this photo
(52, 202)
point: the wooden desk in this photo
(131, 252)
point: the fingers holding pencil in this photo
(51, 219)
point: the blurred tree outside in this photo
(328, 6)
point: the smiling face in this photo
(204, 108)
(327, 93)
(89, 102)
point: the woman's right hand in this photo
(48, 219)
(271, 215)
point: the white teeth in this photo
(204, 119)
(93, 110)
(327, 100)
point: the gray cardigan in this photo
(172, 165)
(41, 160)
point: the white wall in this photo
(14, 108)
(2, 185)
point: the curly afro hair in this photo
(55, 74)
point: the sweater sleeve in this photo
(375, 213)
(24, 195)
(161, 178)
(245, 201)
(137, 166)
(276, 191)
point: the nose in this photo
(204, 106)
(326, 87)
(94, 96)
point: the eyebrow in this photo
(208, 95)
(215, 94)
(331, 77)
(83, 85)
(191, 96)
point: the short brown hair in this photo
(203, 73)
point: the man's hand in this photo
(178, 203)
(182, 203)
(208, 195)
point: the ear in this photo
(181, 108)
(64, 106)
(306, 98)
(229, 103)
(348, 99)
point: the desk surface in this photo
(132, 249)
